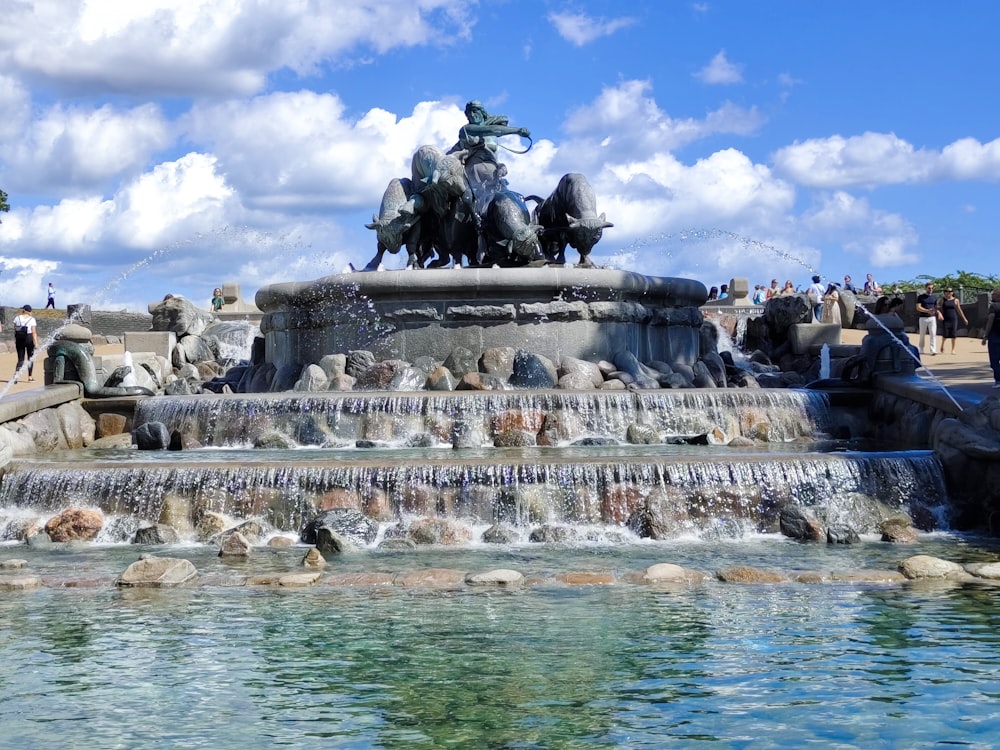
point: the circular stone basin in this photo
(589, 314)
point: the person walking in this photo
(951, 312)
(25, 341)
(52, 297)
(991, 336)
(928, 315)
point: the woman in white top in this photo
(25, 340)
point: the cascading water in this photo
(641, 459)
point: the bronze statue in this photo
(459, 205)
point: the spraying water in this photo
(824, 362)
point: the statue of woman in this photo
(479, 140)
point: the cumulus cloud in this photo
(15, 104)
(720, 71)
(866, 160)
(580, 29)
(881, 237)
(299, 150)
(873, 159)
(627, 118)
(76, 150)
(210, 47)
(968, 159)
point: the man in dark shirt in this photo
(928, 314)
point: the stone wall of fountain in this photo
(589, 314)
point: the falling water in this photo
(776, 415)
(696, 489)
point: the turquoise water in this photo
(544, 666)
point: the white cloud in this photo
(874, 159)
(581, 29)
(628, 119)
(15, 104)
(173, 200)
(865, 160)
(76, 150)
(720, 71)
(299, 150)
(212, 46)
(968, 159)
(881, 237)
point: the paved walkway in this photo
(967, 369)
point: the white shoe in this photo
(996, 385)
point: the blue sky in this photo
(170, 145)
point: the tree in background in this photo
(959, 280)
(4, 205)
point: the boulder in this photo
(179, 315)
(151, 436)
(75, 524)
(157, 572)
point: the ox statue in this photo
(569, 216)
(439, 179)
(397, 224)
(453, 236)
(509, 238)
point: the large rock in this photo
(192, 348)
(75, 524)
(346, 523)
(231, 340)
(157, 572)
(801, 523)
(151, 436)
(158, 534)
(925, 566)
(179, 315)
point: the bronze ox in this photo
(569, 216)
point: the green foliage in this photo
(4, 205)
(960, 279)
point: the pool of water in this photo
(543, 666)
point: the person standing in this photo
(52, 297)
(872, 287)
(951, 311)
(25, 340)
(927, 319)
(849, 285)
(217, 300)
(831, 305)
(815, 294)
(991, 336)
(772, 291)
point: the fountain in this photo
(552, 479)
(509, 397)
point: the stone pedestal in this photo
(589, 314)
(807, 338)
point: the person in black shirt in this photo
(927, 319)
(991, 336)
(951, 312)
